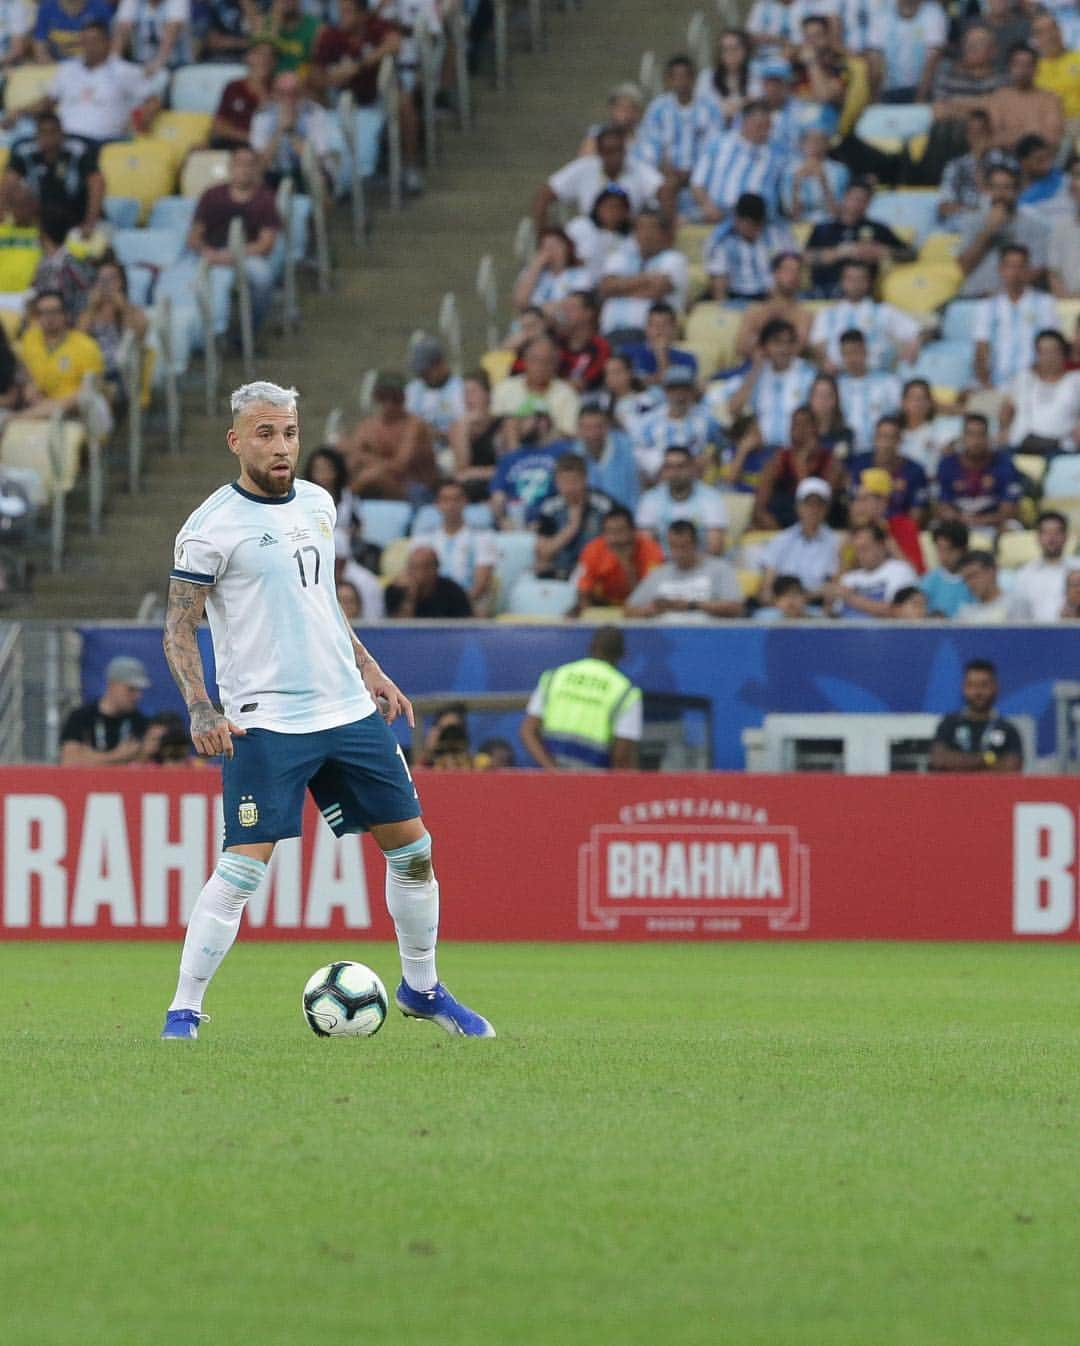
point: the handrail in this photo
(346, 110)
(429, 87)
(11, 694)
(391, 97)
(649, 75)
(237, 245)
(312, 173)
(502, 45)
(459, 30)
(205, 301)
(130, 359)
(450, 328)
(290, 300)
(57, 527)
(487, 287)
(699, 40)
(162, 322)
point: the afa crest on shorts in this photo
(248, 812)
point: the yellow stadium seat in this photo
(801, 231)
(496, 365)
(602, 616)
(182, 132)
(929, 551)
(1016, 548)
(202, 169)
(751, 543)
(690, 240)
(749, 582)
(857, 95)
(939, 247)
(710, 331)
(26, 444)
(945, 398)
(698, 284)
(25, 84)
(916, 147)
(142, 169)
(5, 155)
(393, 558)
(1069, 313)
(1032, 465)
(922, 287)
(740, 508)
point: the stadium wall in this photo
(529, 856)
(746, 669)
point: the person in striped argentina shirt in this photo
(734, 162)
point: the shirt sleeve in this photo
(178, 11)
(647, 515)
(628, 722)
(74, 726)
(126, 11)
(934, 16)
(944, 732)
(487, 548)
(564, 182)
(980, 327)
(899, 325)
(41, 27)
(196, 560)
(646, 590)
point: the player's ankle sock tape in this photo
(412, 861)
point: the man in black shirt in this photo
(975, 739)
(850, 236)
(109, 731)
(61, 172)
(423, 592)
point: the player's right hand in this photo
(212, 733)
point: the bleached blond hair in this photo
(249, 395)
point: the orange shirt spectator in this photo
(611, 565)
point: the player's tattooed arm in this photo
(389, 698)
(211, 732)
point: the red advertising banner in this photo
(123, 854)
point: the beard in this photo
(272, 485)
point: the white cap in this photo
(813, 486)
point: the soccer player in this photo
(302, 700)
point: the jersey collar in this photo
(265, 499)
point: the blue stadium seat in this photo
(173, 213)
(1063, 476)
(517, 551)
(532, 597)
(122, 212)
(384, 520)
(147, 247)
(943, 364)
(426, 520)
(368, 123)
(914, 210)
(959, 319)
(479, 515)
(198, 88)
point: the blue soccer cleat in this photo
(183, 1025)
(441, 1008)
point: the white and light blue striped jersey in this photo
(864, 401)
(906, 43)
(674, 133)
(660, 431)
(629, 312)
(16, 20)
(884, 327)
(440, 407)
(789, 122)
(657, 510)
(773, 18)
(148, 30)
(776, 395)
(1011, 328)
(809, 193)
(282, 648)
(551, 288)
(729, 165)
(746, 262)
(462, 552)
(855, 17)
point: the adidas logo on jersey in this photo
(266, 540)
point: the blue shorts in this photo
(356, 774)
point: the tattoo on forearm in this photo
(183, 613)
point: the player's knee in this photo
(412, 862)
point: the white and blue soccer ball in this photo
(345, 1000)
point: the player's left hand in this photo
(389, 699)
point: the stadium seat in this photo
(710, 332)
(801, 231)
(366, 137)
(182, 131)
(945, 364)
(517, 551)
(497, 365)
(602, 616)
(1069, 315)
(1016, 547)
(141, 169)
(1063, 475)
(147, 247)
(1032, 465)
(20, 253)
(532, 597)
(959, 319)
(888, 126)
(921, 288)
(384, 520)
(393, 558)
(914, 209)
(750, 547)
(426, 520)
(740, 508)
(690, 241)
(939, 246)
(52, 450)
(122, 212)
(749, 582)
(203, 168)
(25, 84)
(198, 88)
(173, 213)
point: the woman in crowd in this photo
(824, 404)
(596, 236)
(729, 83)
(108, 317)
(475, 438)
(927, 435)
(553, 273)
(630, 403)
(326, 467)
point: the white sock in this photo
(213, 925)
(412, 899)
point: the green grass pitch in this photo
(678, 1145)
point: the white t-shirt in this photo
(581, 181)
(149, 24)
(440, 407)
(282, 647)
(881, 584)
(372, 600)
(592, 244)
(1051, 410)
(629, 312)
(1041, 584)
(98, 103)
(926, 443)
(462, 552)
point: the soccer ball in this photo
(344, 1000)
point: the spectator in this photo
(1064, 249)
(963, 180)
(869, 589)
(1070, 611)
(390, 454)
(475, 437)
(288, 121)
(421, 592)
(781, 305)
(944, 587)
(813, 184)
(231, 27)
(602, 231)
(242, 98)
(777, 383)
(97, 96)
(348, 597)
(864, 397)
(62, 174)
(926, 436)
(540, 382)
(774, 503)
(990, 606)
(293, 33)
(821, 70)
(909, 605)
(57, 359)
(677, 123)
(999, 226)
(453, 716)
(467, 555)
(1041, 583)
(585, 715)
(960, 85)
(58, 269)
(554, 272)
(363, 594)
(109, 731)
(870, 504)
(612, 565)
(108, 317)
(532, 323)
(59, 26)
(809, 551)
(1006, 323)
(682, 421)
(15, 32)
(1059, 69)
(789, 602)
(681, 495)
(1006, 26)
(888, 330)
(1020, 109)
(569, 519)
(625, 107)
(824, 403)
(729, 83)
(451, 751)
(737, 161)
(976, 739)
(157, 34)
(1040, 412)
(738, 254)
(657, 353)
(608, 455)
(851, 235)
(243, 197)
(788, 114)
(910, 490)
(631, 401)
(524, 477)
(905, 43)
(690, 588)
(166, 742)
(434, 393)
(347, 56)
(977, 485)
(1043, 187)
(494, 754)
(644, 270)
(584, 352)
(326, 467)
(580, 182)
